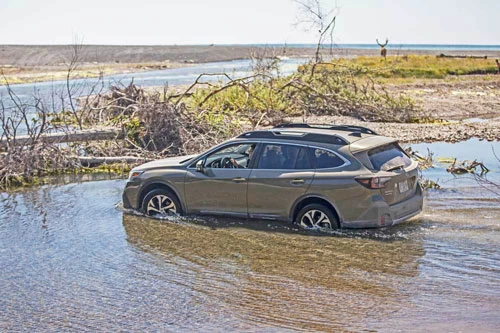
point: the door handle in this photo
(239, 180)
(297, 182)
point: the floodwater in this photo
(71, 260)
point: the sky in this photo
(166, 22)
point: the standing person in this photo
(498, 65)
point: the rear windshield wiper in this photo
(399, 166)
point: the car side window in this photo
(277, 156)
(230, 157)
(303, 159)
(325, 159)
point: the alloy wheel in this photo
(315, 218)
(161, 204)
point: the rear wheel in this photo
(161, 202)
(317, 216)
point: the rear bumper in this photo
(383, 215)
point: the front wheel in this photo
(317, 216)
(161, 202)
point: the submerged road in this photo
(71, 260)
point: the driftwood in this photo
(424, 162)
(91, 161)
(73, 136)
(466, 167)
(442, 55)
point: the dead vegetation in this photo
(458, 168)
(29, 158)
(147, 126)
(465, 167)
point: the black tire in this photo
(159, 200)
(317, 215)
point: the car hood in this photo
(164, 163)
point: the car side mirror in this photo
(200, 167)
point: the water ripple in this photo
(69, 260)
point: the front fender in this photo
(175, 184)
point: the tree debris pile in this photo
(18, 166)
(477, 169)
(349, 90)
(465, 167)
(172, 130)
(152, 124)
(424, 163)
(315, 89)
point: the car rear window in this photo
(325, 159)
(388, 157)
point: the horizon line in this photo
(252, 44)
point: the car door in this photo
(282, 173)
(218, 189)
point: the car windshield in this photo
(236, 149)
(233, 156)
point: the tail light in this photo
(373, 182)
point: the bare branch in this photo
(319, 19)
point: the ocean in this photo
(423, 47)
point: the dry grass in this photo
(421, 66)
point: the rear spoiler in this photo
(369, 143)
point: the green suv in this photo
(326, 176)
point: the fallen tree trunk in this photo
(63, 137)
(91, 161)
(442, 55)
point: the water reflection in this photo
(281, 276)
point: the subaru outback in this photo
(314, 175)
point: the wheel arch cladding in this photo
(157, 185)
(314, 200)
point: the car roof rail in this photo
(347, 128)
(296, 136)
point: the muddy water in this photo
(70, 260)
